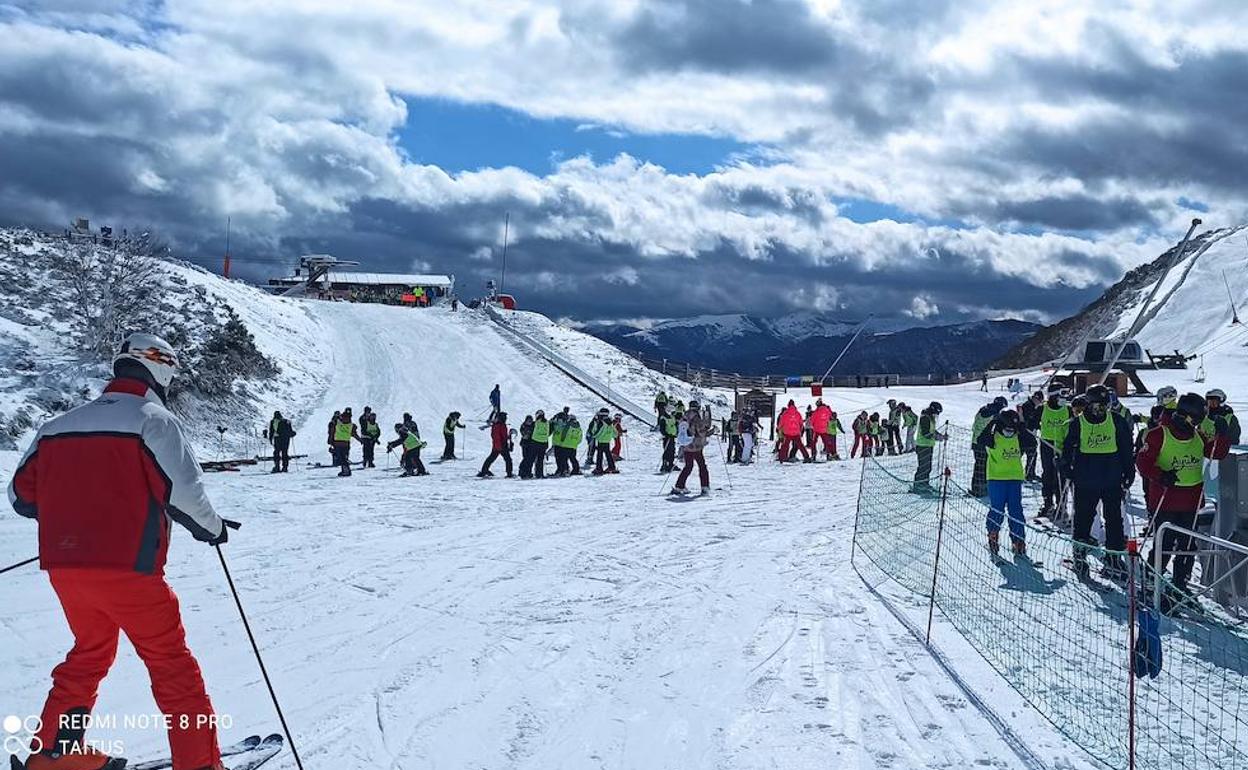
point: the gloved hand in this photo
(224, 537)
(389, 450)
(1127, 481)
(1168, 478)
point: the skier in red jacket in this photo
(791, 423)
(105, 481)
(820, 420)
(1172, 460)
(500, 445)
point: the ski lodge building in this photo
(386, 288)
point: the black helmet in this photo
(1097, 394)
(1008, 420)
(935, 407)
(1193, 407)
(1000, 402)
(1079, 401)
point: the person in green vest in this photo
(983, 417)
(1054, 422)
(449, 427)
(668, 424)
(412, 444)
(660, 404)
(1172, 460)
(343, 431)
(911, 422)
(370, 435)
(1215, 402)
(539, 442)
(1004, 443)
(564, 442)
(924, 444)
(603, 439)
(873, 445)
(731, 428)
(1098, 458)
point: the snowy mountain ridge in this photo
(1193, 313)
(804, 343)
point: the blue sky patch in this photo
(465, 137)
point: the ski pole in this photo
(724, 459)
(12, 567)
(256, 650)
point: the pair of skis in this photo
(248, 754)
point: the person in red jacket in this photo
(105, 481)
(500, 446)
(620, 430)
(820, 420)
(1172, 460)
(791, 424)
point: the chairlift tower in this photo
(316, 266)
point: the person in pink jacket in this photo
(791, 423)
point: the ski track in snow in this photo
(447, 622)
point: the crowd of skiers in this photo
(1091, 450)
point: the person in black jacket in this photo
(1098, 457)
(1030, 412)
(280, 433)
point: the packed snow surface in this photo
(451, 622)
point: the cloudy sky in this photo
(932, 159)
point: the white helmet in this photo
(1166, 393)
(153, 353)
(1217, 393)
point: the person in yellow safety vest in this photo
(924, 444)
(448, 435)
(564, 443)
(1054, 419)
(911, 421)
(370, 436)
(668, 424)
(419, 293)
(1004, 442)
(1172, 460)
(602, 443)
(343, 431)
(412, 444)
(539, 440)
(1098, 458)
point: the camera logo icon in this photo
(20, 734)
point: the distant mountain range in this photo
(807, 343)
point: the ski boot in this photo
(1019, 547)
(68, 752)
(405, 474)
(706, 492)
(994, 543)
(678, 492)
(1114, 568)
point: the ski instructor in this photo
(104, 481)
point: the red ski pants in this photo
(99, 604)
(829, 444)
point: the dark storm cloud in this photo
(1077, 212)
(729, 36)
(875, 91)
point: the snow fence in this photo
(1062, 642)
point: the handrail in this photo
(1159, 552)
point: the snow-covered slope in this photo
(450, 622)
(1192, 309)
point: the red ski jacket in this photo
(499, 436)
(791, 422)
(820, 418)
(106, 479)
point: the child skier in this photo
(1003, 443)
